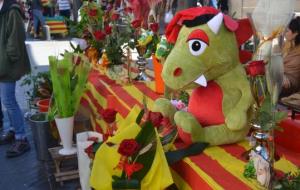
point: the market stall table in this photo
(218, 167)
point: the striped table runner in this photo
(219, 167)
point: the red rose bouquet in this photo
(137, 154)
(90, 26)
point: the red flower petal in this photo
(154, 27)
(255, 68)
(128, 147)
(131, 168)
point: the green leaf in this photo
(126, 184)
(72, 46)
(96, 146)
(280, 115)
(249, 171)
(114, 177)
(140, 116)
(146, 136)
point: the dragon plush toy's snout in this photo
(205, 58)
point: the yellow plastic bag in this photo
(107, 158)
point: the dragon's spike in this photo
(215, 23)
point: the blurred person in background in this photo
(14, 64)
(64, 7)
(291, 58)
(38, 18)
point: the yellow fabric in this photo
(107, 158)
(131, 118)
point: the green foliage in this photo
(76, 49)
(114, 42)
(290, 181)
(146, 136)
(68, 84)
(249, 171)
(39, 85)
(267, 117)
(149, 40)
(88, 24)
(140, 116)
(184, 97)
(163, 48)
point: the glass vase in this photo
(116, 72)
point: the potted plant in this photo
(69, 76)
(38, 86)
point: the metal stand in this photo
(142, 76)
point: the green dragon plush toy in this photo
(205, 58)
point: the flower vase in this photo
(125, 184)
(65, 129)
(159, 83)
(115, 72)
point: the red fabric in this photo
(244, 31)
(185, 137)
(200, 35)
(245, 56)
(289, 137)
(175, 25)
(206, 104)
(230, 24)
(140, 10)
(214, 169)
(190, 176)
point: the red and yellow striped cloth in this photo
(57, 25)
(218, 167)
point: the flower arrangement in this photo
(266, 76)
(90, 27)
(117, 36)
(144, 40)
(69, 77)
(289, 181)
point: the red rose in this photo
(156, 118)
(99, 35)
(92, 12)
(108, 29)
(128, 147)
(136, 23)
(128, 10)
(109, 115)
(115, 16)
(255, 68)
(154, 27)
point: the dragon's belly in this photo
(206, 104)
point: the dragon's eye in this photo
(197, 47)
